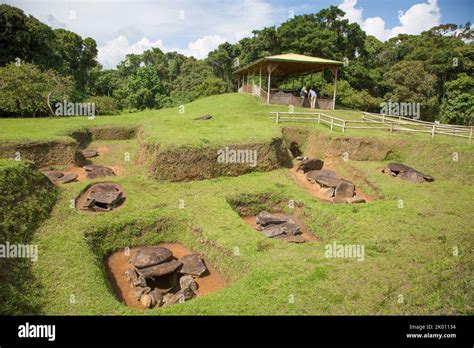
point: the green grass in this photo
(237, 118)
(408, 251)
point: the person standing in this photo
(303, 94)
(313, 95)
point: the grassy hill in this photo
(409, 268)
(237, 118)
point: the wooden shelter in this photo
(285, 66)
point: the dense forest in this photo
(40, 65)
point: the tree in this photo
(325, 34)
(350, 98)
(103, 105)
(78, 56)
(195, 81)
(26, 90)
(409, 82)
(223, 62)
(458, 106)
(142, 88)
(263, 43)
(27, 39)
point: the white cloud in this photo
(187, 26)
(416, 19)
(201, 47)
(114, 51)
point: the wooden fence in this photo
(375, 121)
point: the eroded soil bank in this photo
(187, 163)
(44, 153)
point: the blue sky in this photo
(196, 27)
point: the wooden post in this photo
(269, 79)
(343, 126)
(319, 118)
(470, 136)
(334, 94)
(433, 131)
(277, 119)
(260, 80)
(391, 127)
(238, 83)
(332, 122)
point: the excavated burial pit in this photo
(101, 197)
(117, 264)
(306, 234)
(248, 207)
(324, 190)
(405, 172)
(86, 172)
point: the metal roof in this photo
(289, 64)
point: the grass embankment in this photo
(237, 119)
(409, 247)
(26, 197)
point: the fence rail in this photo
(380, 122)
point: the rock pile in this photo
(203, 118)
(58, 177)
(103, 197)
(307, 164)
(159, 279)
(279, 227)
(407, 173)
(89, 153)
(94, 171)
(330, 186)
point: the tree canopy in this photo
(434, 68)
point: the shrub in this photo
(26, 90)
(103, 105)
(458, 106)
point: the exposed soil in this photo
(319, 145)
(313, 189)
(306, 233)
(44, 153)
(118, 263)
(102, 149)
(188, 163)
(113, 133)
(84, 137)
(81, 173)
